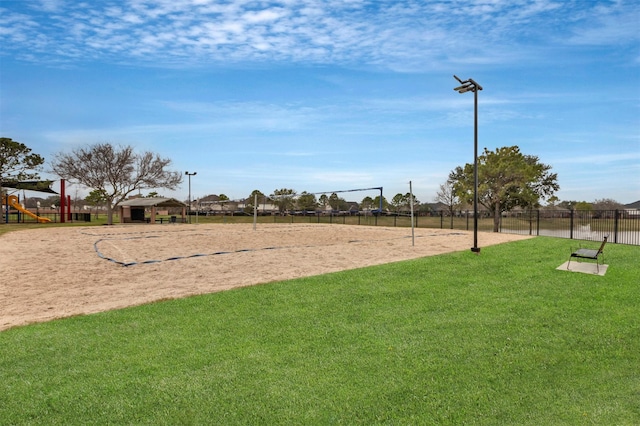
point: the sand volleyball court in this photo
(58, 272)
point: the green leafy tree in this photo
(506, 179)
(251, 199)
(256, 194)
(116, 171)
(223, 200)
(96, 198)
(408, 200)
(397, 202)
(376, 203)
(334, 201)
(17, 162)
(343, 204)
(582, 205)
(284, 199)
(337, 203)
(402, 202)
(367, 203)
(576, 205)
(307, 202)
(323, 201)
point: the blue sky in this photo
(324, 95)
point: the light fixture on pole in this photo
(190, 174)
(471, 86)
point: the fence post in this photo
(571, 224)
(537, 223)
(615, 226)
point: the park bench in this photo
(591, 254)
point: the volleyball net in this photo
(328, 201)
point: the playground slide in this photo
(13, 202)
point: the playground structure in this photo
(13, 202)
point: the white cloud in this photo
(406, 36)
(50, 5)
(261, 16)
(609, 28)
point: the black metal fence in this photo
(622, 226)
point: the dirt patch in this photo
(59, 272)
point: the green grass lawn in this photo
(499, 338)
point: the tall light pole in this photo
(190, 174)
(471, 86)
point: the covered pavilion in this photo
(134, 210)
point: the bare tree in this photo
(446, 195)
(607, 204)
(115, 171)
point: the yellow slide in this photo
(13, 202)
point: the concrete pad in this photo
(584, 267)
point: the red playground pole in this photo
(69, 208)
(63, 198)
